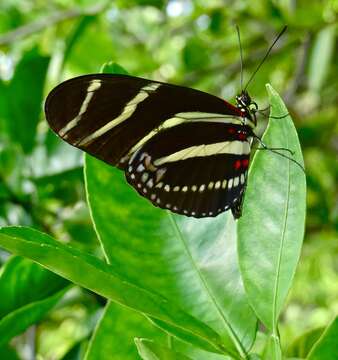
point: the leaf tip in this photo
(271, 91)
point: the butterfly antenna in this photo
(265, 56)
(240, 54)
(276, 151)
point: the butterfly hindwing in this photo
(192, 169)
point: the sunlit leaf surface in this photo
(191, 261)
(270, 233)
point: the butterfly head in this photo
(247, 106)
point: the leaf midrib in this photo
(107, 272)
(276, 285)
(213, 300)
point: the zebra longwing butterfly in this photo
(183, 149)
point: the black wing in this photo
(192, 169)
(182, 138)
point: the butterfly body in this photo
(183, 149)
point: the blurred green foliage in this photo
(188, 42)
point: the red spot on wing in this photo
(231, 130)
(245, 163)
(242, 135)
(237, 164)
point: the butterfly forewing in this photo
(183, 149)
(106, 115)
(79, 108)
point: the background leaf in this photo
(24, 102)
(76, 34)
(303, 344)
(8, 353)
(326, 347)
(19, 320)
(321, 57)
(23, 282)
(195, 54)
(28, 292)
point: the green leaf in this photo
(326, 347)
(74, 37)
(23, 282)
(115, 332)
(270, 232)
(303, 344)
(25, 93)
(55, 158)
(190, 261)
(185, 336)
(12, 166)
(8, 353)
(307, 14)
(19, 320)
(27, 293)
(148, 350)
(4, 108)
(272, 349)
(229, 304)
(77, 352)
(217, 21)
(130, 3)
(113, 68)
(93, 274)
(321, 57)
(254, 357)
(65, 335)
(194, 352)
(95, 40)
(195, 54)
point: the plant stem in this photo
(276, 348)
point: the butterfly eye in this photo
(253, 106)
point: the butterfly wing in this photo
(106, 115)
(192, 169)
(183, 149)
